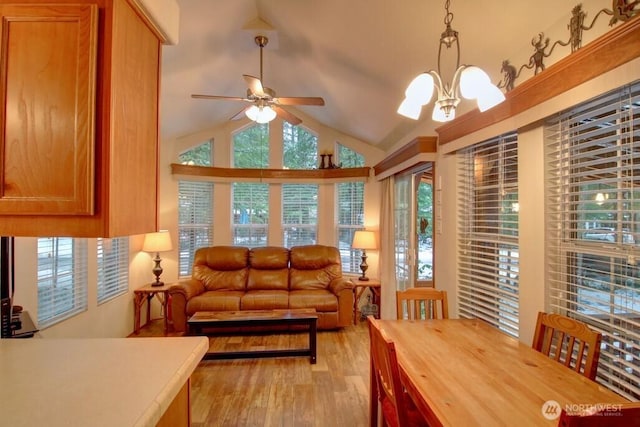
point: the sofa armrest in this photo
(343, 289)
(340, 284)
(188, 288)
(180, 293)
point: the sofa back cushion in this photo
(313, 266)
(269, 269)
(222, 267)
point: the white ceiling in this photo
(358, 55)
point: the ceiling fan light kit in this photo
(468, 81)
(266, 106)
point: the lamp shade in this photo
(363, 239)
(157, 242)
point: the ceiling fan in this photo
(265, 105)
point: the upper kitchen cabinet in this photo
(79, 89)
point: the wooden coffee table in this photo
(248, 318)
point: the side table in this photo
(359, 286)
(146, 293)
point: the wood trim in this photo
(283, 174)
(607, 52)
(419, 145)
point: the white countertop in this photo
(93, 382)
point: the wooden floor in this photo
(287, 391)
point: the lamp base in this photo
(364, 267)
(158, 284)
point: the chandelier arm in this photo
(455, 83)
(437, 82)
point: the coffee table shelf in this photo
(252, 318)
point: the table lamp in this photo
(363, 239)
(157, 242)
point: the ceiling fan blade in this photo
(240, 114)
(299, 100)
(285, 115)
(255, 85)
(226, 98)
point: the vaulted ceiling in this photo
(358, 55)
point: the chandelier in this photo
(469, 81)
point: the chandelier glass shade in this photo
(468, 81)
(260, 113)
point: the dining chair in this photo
(568, 341)
(620, 415)
(398, 409)
(421, 303)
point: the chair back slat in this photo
(422, 303)
(556, 336)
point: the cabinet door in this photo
(48, 56)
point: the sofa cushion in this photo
(269, 269)
(313, 267)
(265, 300)
(320, 299)
(222, 267)
(215, 301)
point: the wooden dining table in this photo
(465, 372)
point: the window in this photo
(488, 245)
(300, 147)
(299, 201)
(350, 210)
(593, 227)
(62, 279)
(299, 214)
(113, 267)
(250, 207)
(195, 209)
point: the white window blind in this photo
(593, 233)
(488, 233)
(350, 210)
(195, 209)
(299, 214)
(113, 267)
(62, 279)
(250, 214)
(195, 221)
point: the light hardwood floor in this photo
(286, 391)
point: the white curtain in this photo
(387, 263)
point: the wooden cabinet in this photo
(79, 85)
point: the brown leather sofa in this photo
(232, 278)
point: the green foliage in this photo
(199, 156)
(251, 147)
(300, 150)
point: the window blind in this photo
(62, 279)
(250, 214)
(113, 267)
(195, 221)
(488, 233)
(299, 214)
(593, 216)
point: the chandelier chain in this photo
(448, 16)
